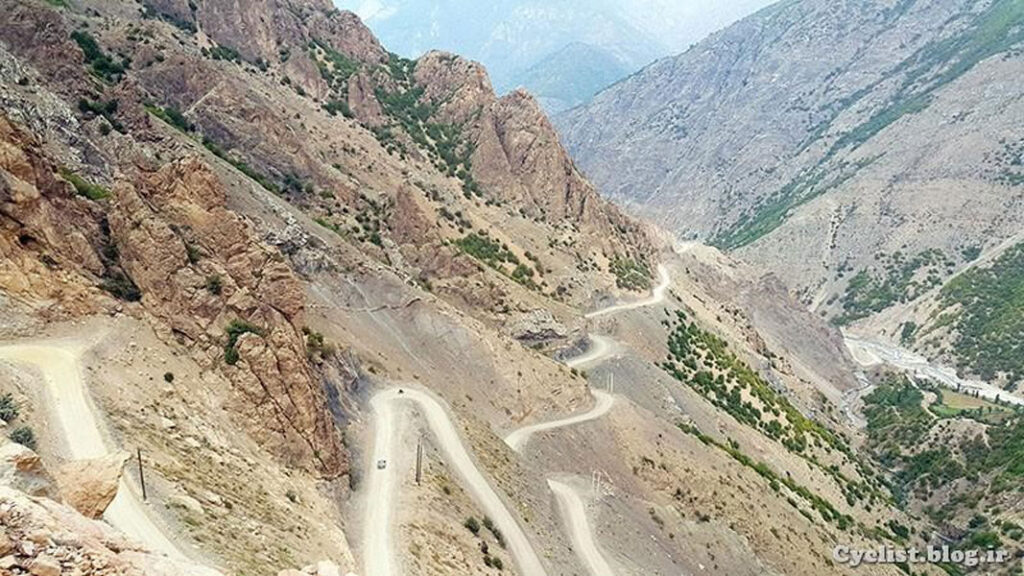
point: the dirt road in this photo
(579, 529)
(73, 413)
(519, 437)
(657, 296)
(378, 553)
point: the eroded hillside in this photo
(864, 180)
(251, 236)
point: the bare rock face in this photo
(517, 156)
(47, 234)
(21, 468)
(536, 326)
(263, 29)
(90, 485)
(201, 269)
(44, 538)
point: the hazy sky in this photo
(514, 37)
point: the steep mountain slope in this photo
(528, 43)
(248, 219)
(572, 75)
(862, 179)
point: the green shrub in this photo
(119, 285)
(472, 525)
(9, 411)
(234, 331)
(84, 187)
(332, 107)
(24, 436)
(99, 62)
(214, 285)
(172, 116)
(225, 53)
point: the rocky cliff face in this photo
(168, 239)
(901, 140)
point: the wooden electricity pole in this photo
(142, 477)
(419, 461)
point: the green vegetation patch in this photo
(443, 142)
(825, 509)
(899, 280)
(630, 274)
(99, 62)
(986, 307)
(497, 256)
(83, 186)
(335, 67)
(171, 115)
(703, 361)
(234, 331)
(898, 424)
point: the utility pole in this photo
(142, 477)
(419, 461)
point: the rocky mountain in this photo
(275, 266)
(865, 180)
(563, 52)
(572, 75)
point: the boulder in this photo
(90, 485)
(21, 468)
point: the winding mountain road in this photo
(378, 525)
(600, 348)
(518, 438)
(657, 296)
(72, 412)
(579, 529)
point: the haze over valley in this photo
(287, 289)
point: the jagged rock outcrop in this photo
(44, 538)
(44, 258)
(200, 269)
(22, 469)
(197, 267)
(517, 156)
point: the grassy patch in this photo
(83, 186)
(630, 274)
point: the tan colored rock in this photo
(44, 566)
(84, 546)
(183, 206)
(90, 485)
(22, 468)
